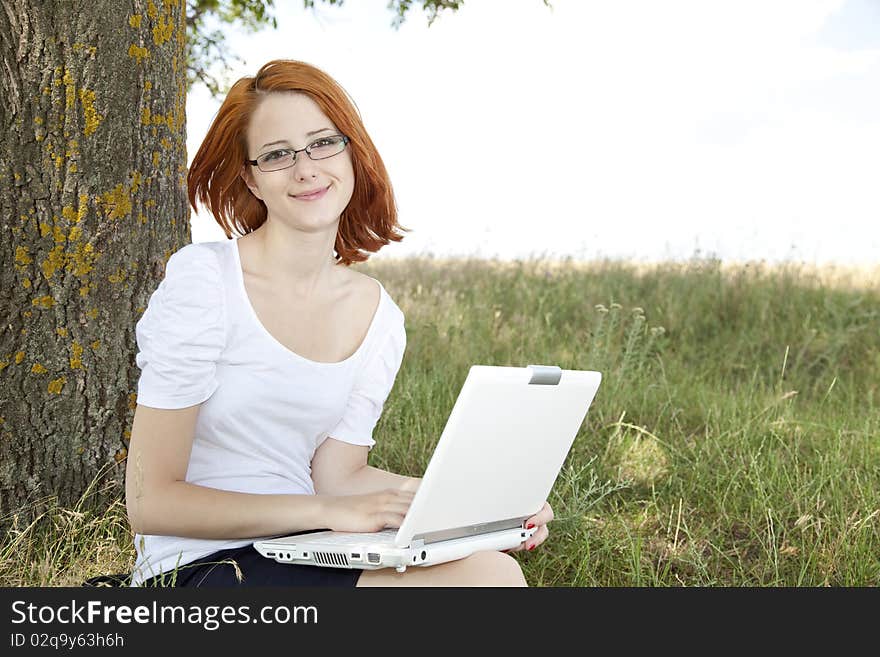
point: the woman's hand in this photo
(539, 520)
(371, 512)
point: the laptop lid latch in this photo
(545, 375)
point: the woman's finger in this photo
(543, 516)
(539, 537)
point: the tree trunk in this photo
(93, 202)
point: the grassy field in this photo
(735, 440)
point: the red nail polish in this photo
(531, 547)
(531, 525)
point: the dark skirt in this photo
(253, 570)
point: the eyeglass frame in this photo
(345, 141)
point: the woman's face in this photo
(294, 120)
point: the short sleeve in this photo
(371, 388)
(181, 334)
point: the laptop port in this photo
(423, 555)
(373, 557)
(355, 555)
(270, 554)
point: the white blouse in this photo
(265, 409)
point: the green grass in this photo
(733, 442)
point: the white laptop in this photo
(497, 459)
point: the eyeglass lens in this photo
(317, 150)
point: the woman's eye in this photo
(274, 155)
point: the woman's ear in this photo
(245, 175)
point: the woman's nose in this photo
(304, 166)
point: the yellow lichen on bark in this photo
(138, 52)
(38, 369)
(80, 46)
(93, 119)
(81, 260)
(53, 262)
(135, 20)
(55, 385)
(117, 202)
(76, 358)
(162, 31)
(61, 331)
(117, 277)
(83, 207)
(22, 257)
(69, 89)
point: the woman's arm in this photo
(340, 468)
(368, 479)
(160, 501)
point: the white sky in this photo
(637, 129)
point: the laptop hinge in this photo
(462, 532)
(545, 375)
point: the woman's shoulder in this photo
(196, 268)
(375, 295)
(205, 255)
(193, 280)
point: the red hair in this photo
(369, 221)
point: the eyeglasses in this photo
(319, 149)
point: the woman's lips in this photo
(312, 197)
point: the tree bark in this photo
(93, 203)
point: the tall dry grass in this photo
(734, 440)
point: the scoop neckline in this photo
(290, 352)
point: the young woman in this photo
(265, 361)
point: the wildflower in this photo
(601, 308)
(615, 305)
